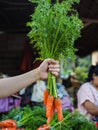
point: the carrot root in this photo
(58, 107)
(8, 123)
(46, 93)
(49, 108)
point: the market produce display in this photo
(34, 118)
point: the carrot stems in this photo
(57, 46)
(55, 38)
(54, 86)
(50, 83)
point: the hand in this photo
(48, 65)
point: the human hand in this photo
(48, 65)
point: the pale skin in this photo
(11, 85)
(89, 106)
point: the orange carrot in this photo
(50, 101)
(8, 123)
(8, 129)
(46, 93)
(51, 114)
(58, 107)
(52, 111)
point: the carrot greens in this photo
(54, 29)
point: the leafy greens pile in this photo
(32, 118)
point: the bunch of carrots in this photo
(52, 105)
(51, 100)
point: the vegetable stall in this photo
(32, 118)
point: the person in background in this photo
(88, 95)
(11, 85)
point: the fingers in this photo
(55, 73)
(54, 66)
(52, 61)
(55, 69)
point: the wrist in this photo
(38, 74)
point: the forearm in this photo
(9, 86)
(91, 108)
(94, 111)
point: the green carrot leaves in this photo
(54, 28)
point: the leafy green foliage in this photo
(73, 121)
(11, 114)
(54, 28)
(33, 118)
(81, 71)
(27, 117)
